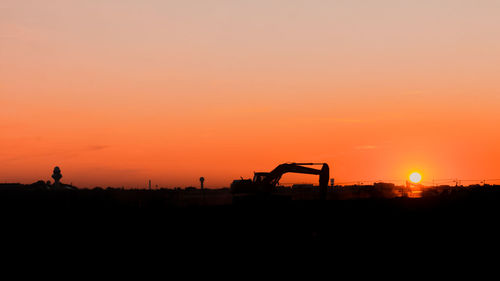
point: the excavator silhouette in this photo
(264, 183)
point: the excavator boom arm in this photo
(276, 174)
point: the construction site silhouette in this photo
(259, 211)
(287, 216)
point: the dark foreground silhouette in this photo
(121, 222)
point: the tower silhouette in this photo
(202, 179)
(56, 175)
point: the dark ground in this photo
(123, 223)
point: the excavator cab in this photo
(259, 177)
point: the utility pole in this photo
(202, 180)
(149, 184)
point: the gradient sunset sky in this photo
(119, 92)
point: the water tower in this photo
(56, 175)
(202, 179)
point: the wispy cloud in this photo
(62, 153)
(96, 147)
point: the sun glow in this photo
(415, 177)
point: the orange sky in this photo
(119, 92)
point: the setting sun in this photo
(415, 177)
